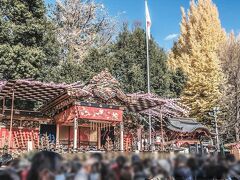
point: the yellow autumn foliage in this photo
(195, 53)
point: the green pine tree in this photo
(28, 46)
(126, 60)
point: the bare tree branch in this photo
(230, 60)
(81, 26)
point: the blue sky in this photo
(166, 15)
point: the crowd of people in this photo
(46, 165)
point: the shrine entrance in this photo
(86, 127)
(85, 137)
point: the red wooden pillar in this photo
(11, 122)
(139, 138)
(121, 137)
(75, 133)
(57, 135)
(99, 137)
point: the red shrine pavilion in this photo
(84, 116)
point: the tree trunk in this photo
(237, 132)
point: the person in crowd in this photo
(87, 172)
(182, 171)
(118, 166)
(9, 174)
(47, 165)
(5, 159)
(138, 168)
(164, 169)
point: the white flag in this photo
(148, 20)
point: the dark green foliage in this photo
(67, 72)
(20, 104)
(28, 46)
(126, 60)
(178, 81)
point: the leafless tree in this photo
(82, 24)
(230, 59)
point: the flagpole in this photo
(148, 81)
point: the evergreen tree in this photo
(196, 54)
(126, 60)
(28, 47)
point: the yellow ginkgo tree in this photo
(195, 53)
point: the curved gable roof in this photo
(185, 125)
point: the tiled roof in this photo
(185, 125)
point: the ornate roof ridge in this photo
(104, 76)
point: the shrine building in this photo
(90, 116)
